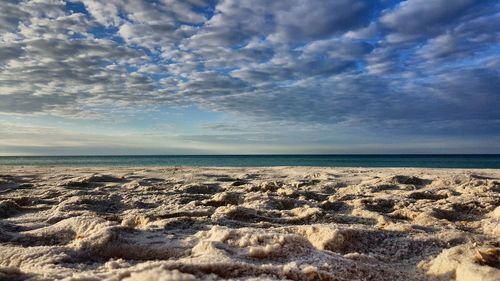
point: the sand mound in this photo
(160, 275)
(249, 224)
(466, 262)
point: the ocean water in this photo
(426, 161)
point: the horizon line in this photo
(263, 154)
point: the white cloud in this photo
(321, 62)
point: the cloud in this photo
(299, 21)
(11, 15)
(420, 16)
(375, 64)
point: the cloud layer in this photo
(400, 67)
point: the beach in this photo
(279, 223)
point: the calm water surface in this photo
(428, 161)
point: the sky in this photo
(250, 76)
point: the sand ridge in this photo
(281, 223)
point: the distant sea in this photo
(426, 161)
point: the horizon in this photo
(243, 155)
(226, 77)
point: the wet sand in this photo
(283, 223)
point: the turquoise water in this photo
(428, 161)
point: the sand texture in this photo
(249, 224)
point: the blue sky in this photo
(200, 76)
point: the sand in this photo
(278, 223)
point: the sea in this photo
(357, 160)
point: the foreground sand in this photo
(249, 224)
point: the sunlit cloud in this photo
(343, 71)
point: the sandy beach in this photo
(278, 223)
